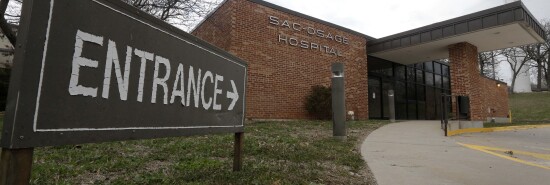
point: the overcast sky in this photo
(387, 17)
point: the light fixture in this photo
(498, 84)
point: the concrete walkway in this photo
(417, 152)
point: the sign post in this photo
(15, 166)
(88, 71)
(238, 151)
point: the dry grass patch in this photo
(298, 152)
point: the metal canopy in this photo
(496, 28)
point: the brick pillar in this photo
(466, 78)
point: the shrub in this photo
(319, 102)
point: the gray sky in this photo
(387, 17)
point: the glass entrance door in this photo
(379, 107)
(386, 86)
(375, 100)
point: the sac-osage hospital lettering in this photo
(188, 87)
(305, 44)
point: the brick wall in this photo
(495, 98)
(280, 74)
(486, 99)
(217, 29)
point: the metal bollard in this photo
(391, 102)
(338, 102)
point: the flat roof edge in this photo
(493, 17)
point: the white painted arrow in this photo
(233, 95)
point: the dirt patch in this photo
(97, 177)
(157, 165)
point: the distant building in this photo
(6, 51)
(6, 61)
(523, 81)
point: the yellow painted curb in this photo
(490, 150)
(495, 129)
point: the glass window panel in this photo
(410, 74)
(438, 102)
(400, 72)
(445, 70)
(421, 105)
(428, 66)
(430, 103)
(400, 100)
(411, 91)
(429, 78)
(388, 71)
(401, 111)
(437, 68)
(411, 110)
(400, 92)
(421, 109)
(384, 72)
(419, 77)
(386, 86)
(446, 83)
(449, 106)
(420, 66)
(420, 94)
(438, 82)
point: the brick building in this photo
(289, 52)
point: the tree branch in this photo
(6, 28)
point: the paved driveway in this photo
(416, 152)
(530, 147)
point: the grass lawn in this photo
(528, 109)
(299, 152)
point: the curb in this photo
(495, 129)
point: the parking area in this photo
(529, 146)
(417, 152)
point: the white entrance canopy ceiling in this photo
(496, 28)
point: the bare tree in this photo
(540, 53)
(517, 58)
(183, 13)
(487, 62)
(546, 65)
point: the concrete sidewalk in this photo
(417, 152)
